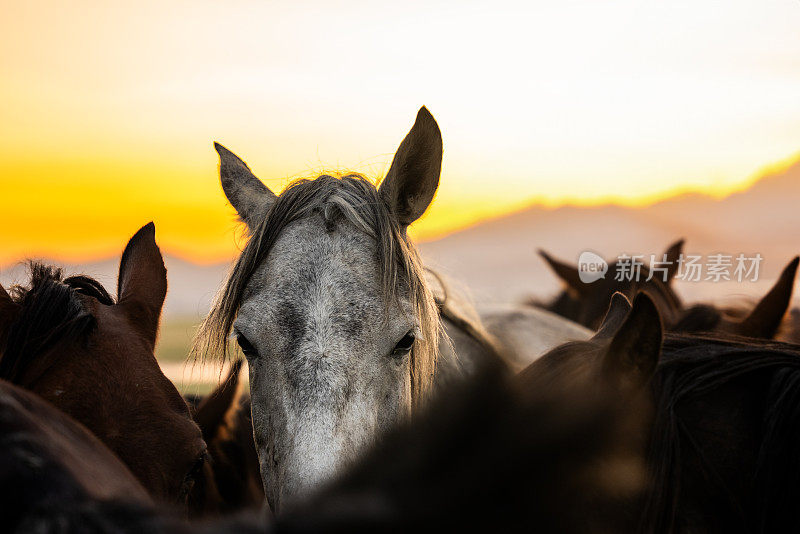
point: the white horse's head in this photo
(329, 305)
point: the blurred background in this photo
(615, 126)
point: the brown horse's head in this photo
(612, 370)
(585, 303)
(620, 359)
(231, 481)
(69, 341)
(765, 320)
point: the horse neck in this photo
(457, 312)
(750, 399)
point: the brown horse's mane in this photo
(706, 317)
(693, 365)
(48, 311)
(698, 318)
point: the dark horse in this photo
(67, 340)
(724, 445)
(586, 303)
(726, 441)
(57, 477)
(231, 481)
(49, 460)
(764, 320)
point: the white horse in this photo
(517, 332)
(525, 333)
(329, 303)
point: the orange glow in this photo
(83, 211)
(109, 112)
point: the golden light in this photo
(109, 112)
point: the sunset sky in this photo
(109, 110)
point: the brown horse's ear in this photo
(413, 178)
(633, 354)
(618, 310)
(246, 193)
(214, 409)
(142, 281)
(5, 298)
(568, 273)
(673, 256)
(766, 317)
(8, 311)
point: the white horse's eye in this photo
(404, 345)
(247, 348)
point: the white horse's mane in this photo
(356, 199)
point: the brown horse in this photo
(68, 341)
(764, 320)
(724, 441)
(231, 480)
(586, 303)
(48, 459)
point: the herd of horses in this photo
(380, 399)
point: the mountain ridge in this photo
(497, 258)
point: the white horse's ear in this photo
(246, 193)
(413, 178)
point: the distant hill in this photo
(497, 259)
